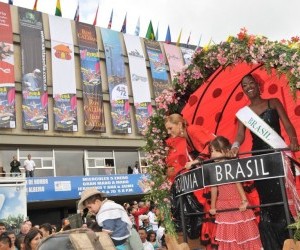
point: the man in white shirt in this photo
(152, 218)
(143, 235)
(29, 166)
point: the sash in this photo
(259, 127)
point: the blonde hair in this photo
(176, 119)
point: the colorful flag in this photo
(178, 39)
(96, 16)
(58, 9)
(156, 34)
(168, 35)
(110, 20)
(137, 28)
(34, 6)
(11, 2)
(188, 40)
(76, 16)
(123, 30)
(150, 32)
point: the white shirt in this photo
(136, 170)
(153, 221)
(29, 165)
(148, 246)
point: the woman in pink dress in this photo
(238, 229)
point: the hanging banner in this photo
(63, 74)
(174, 57)
(139, 80)
(91, 78)
(187, 55)
(34, 74)
(7, 76)
(158, 67)
(117, 84)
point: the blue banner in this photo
(117, 83)
(70, 187)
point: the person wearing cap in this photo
(33, 81)
(111, 216)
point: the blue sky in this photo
(211, 19)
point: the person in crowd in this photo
(32, 239)
(139, 209)
(111, 216)
(5, 241)
(29, 166)
(15, 167)
(65, 224)
(2, 227)
(152, 239)
(268, 112)
(143, 235)
(20, 242)
(46, 229)
(188, 145)
(24, 229)
(29, 223)
(131, 217)
(12, 236)
(129, 170)
(153, 218)
(146, 223)
(235, 229)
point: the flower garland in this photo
(283, 55)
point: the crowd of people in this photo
(133, 225)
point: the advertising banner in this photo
(139, 80)
(91, 78)
(63, 74)
(7, 75)
(187, 55)
(34, 73)
(13, 203)
(158, 67)
(71, 187)
(174, 57)
(117, 84)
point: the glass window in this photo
(6, 157)
(125, 159)
(69, 162)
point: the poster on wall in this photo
(187, 55)
(63, 74)
(91, 78)
(13, 203)
(158, 67)
(174, 57)
(139, 80)
(7, 76)
(117, 83)
(34, 73)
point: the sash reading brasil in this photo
(264, 166)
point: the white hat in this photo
(87, 193)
